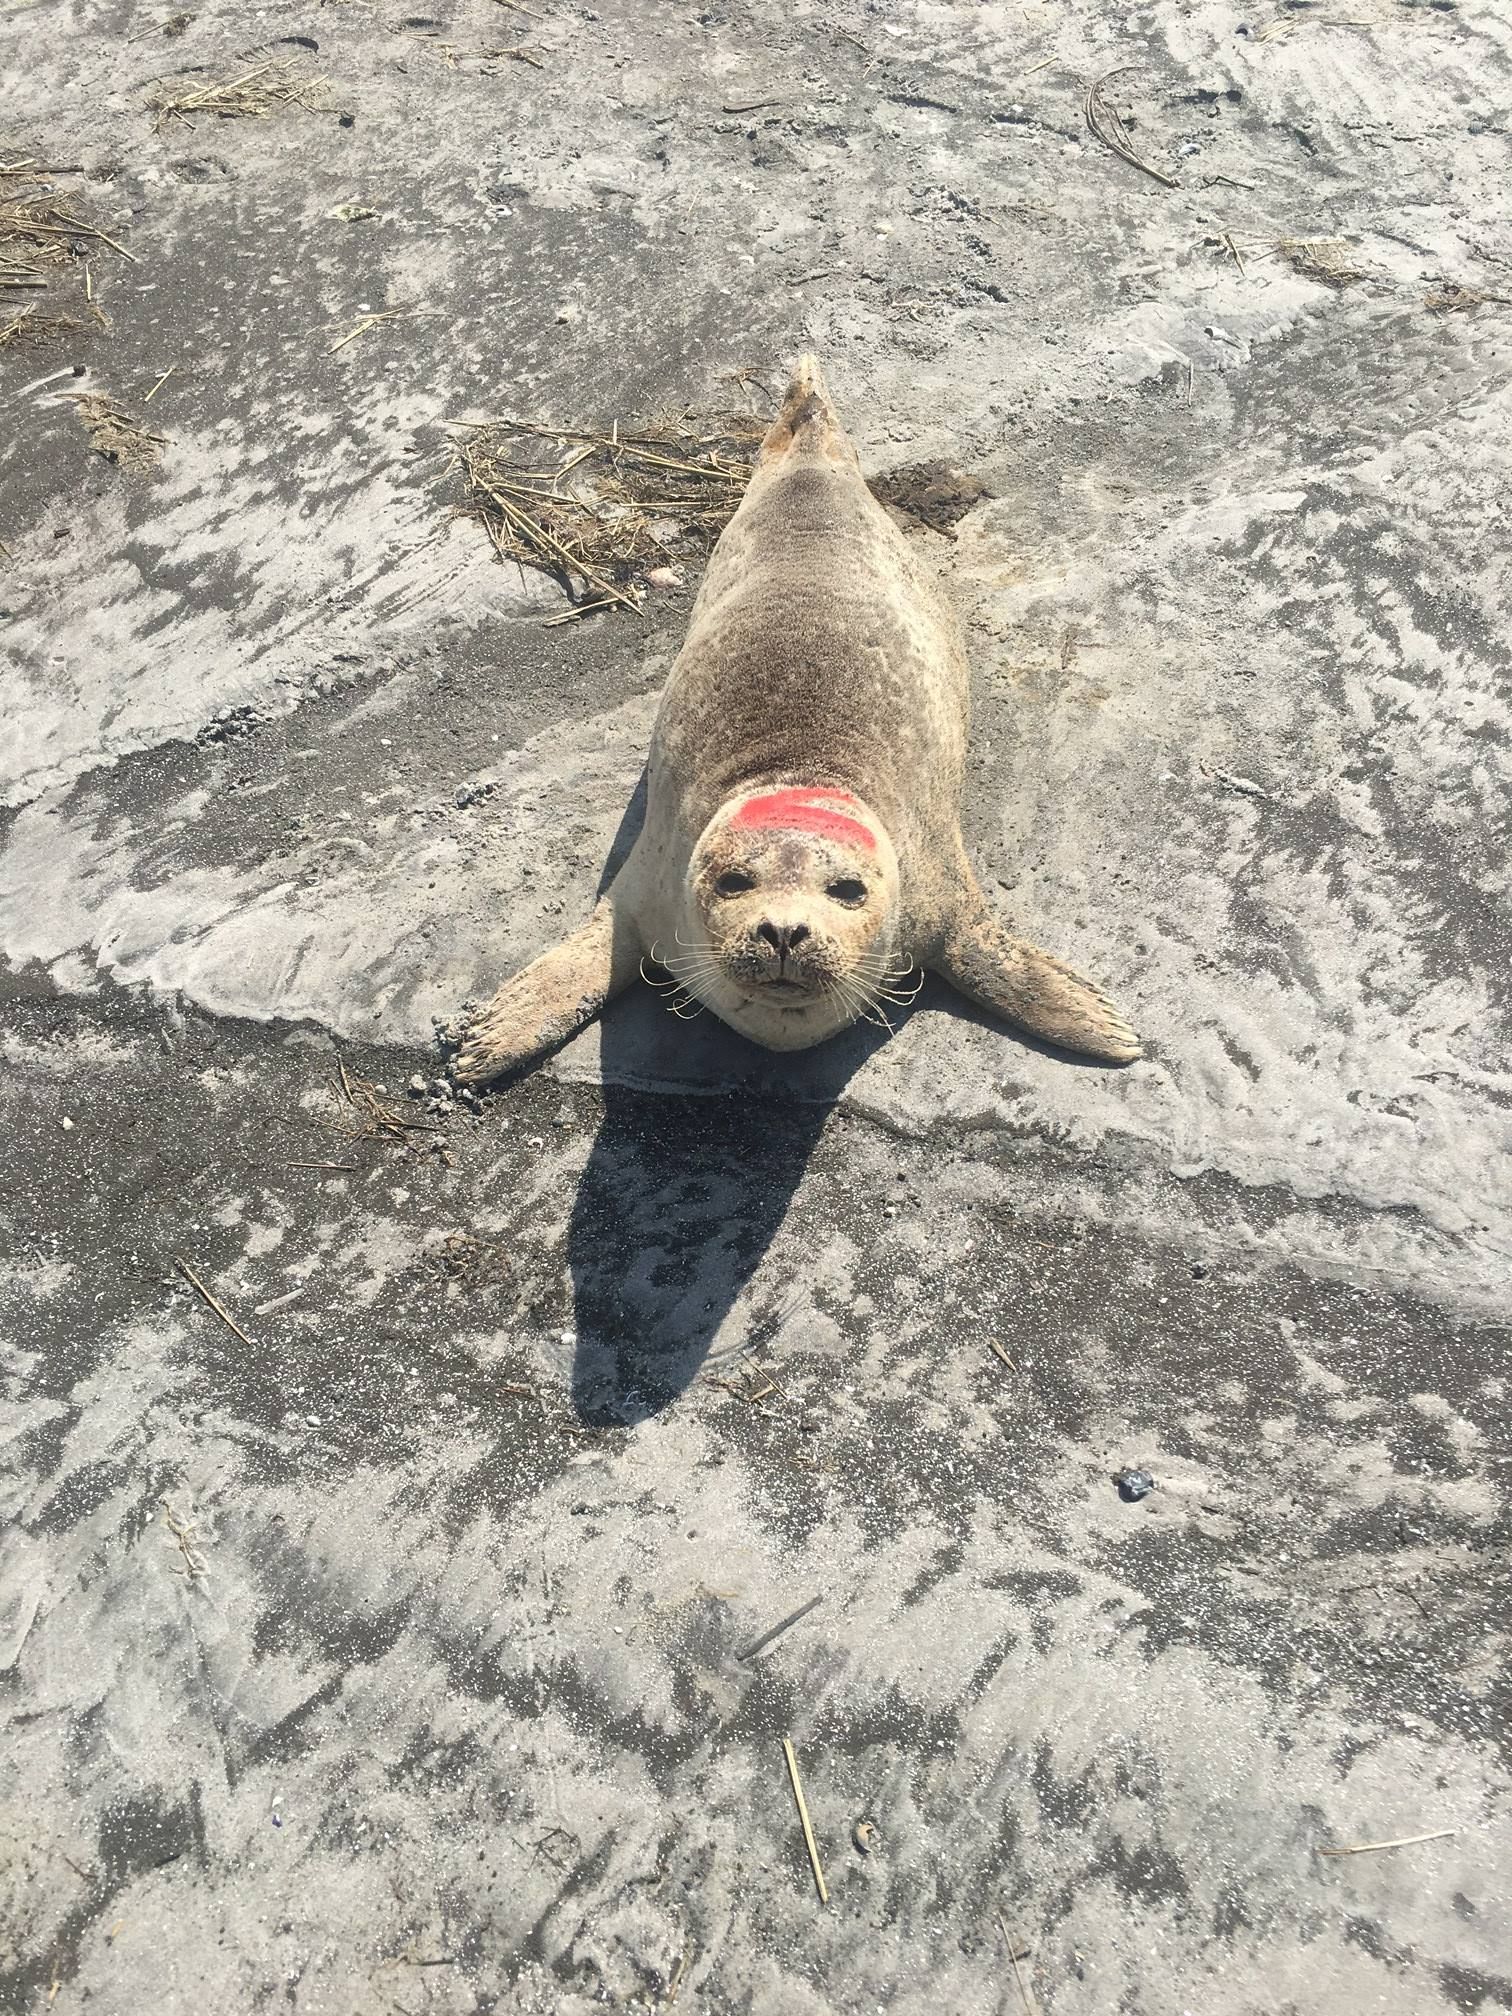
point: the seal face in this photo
(793, 900)
(801, 859)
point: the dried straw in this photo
(1451, 299)
(1330, 260)
(40, 239)
(609, 507)
(274, 85)
(114, 434)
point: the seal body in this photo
(801, 859)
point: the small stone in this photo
(67, 1125)
(569, 312)
(865, 1836)
(664, 577)
(312, 1420)
(1134, 1485)
(417, 1084)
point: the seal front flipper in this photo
(1031, 989)
(550, 999)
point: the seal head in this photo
(790, 928)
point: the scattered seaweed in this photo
(607, 508)
(472, 1263)
(935, 494)
(277, 84)
(379, 1120)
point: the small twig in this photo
(755, 105)
(1402, 1841)
(520, 54)
(803, 1815)
(183, 1532)
(994, 1346)
(1024, 1995)
(346, 1083)
(350, 1167)
(677, 1978)
(367, 322)
(572, 615)
(197, 98)
(219, 1307)
(1104, 124)
(160, 384)
(1228, 239)
(777, 1630)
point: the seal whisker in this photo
(688, 972)
(853, 998)
(902, 995)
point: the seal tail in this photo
(806, 421)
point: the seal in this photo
(801, 860)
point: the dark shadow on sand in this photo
(703, 1142)
(683, 1194)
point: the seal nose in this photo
(782, 938)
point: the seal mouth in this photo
(783, 990)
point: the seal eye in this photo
(849, 891)
(735, 883)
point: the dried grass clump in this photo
(28, 329)
(275, 85)
(1330, 260)
(115, 434)
(39, 237)
(607, 508)
(1451, 299)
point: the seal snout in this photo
(782, 957)
(784, 939)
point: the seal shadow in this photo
(685, 1190)
(703, 1142)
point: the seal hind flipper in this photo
(1032, 989)
(806, 422)
(549, 1000)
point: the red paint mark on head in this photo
(807, 812)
